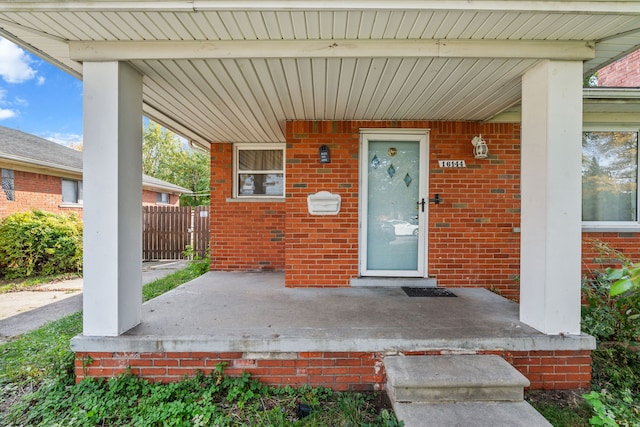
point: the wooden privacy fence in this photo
(168, 230)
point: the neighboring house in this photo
(328, 120)
(625, 72)
(40, 174)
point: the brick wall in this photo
(35, 191)
(321, 251)
(623, 73)
(597, 254)
(244, 235)
(44, 192)
(553, 370)
(149, 198)
(471, 237)
(358, 371)
(472, 241)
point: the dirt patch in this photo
(561, 398)
(562, 407)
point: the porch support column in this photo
(551, 197)
(112, 174)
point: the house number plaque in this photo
(452, 164)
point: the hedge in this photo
(38, 243)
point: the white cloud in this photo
(6, 114)
(66, 139)
(40, 81)
(21, 102)
(15, 63)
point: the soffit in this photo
(601, 106)
(249, 99)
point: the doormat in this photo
(428, 292)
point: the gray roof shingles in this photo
(22, 147)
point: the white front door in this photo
(394, 203)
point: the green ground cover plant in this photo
(612, 316)
(37, 243)
(37, 388)
(611, 303)
(212, 400)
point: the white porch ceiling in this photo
(237, 70)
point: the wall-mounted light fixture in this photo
(480, 149)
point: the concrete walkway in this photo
(24, 311)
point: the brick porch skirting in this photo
(341, 371)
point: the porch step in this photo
(453, 378)
(452, 390)
(469, 414)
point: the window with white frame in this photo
(259, 170)
(71, 191)
(8, 184)
(610, 177)
(162, 198)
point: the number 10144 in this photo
(452, 164)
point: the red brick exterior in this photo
(623, 73)
(356, 371)
(44, 192)
(149, 198)
(35, 191)
(626, 246)
(473, 234)
(471, 237)
(321, 251)
(244, 235)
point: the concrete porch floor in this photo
(254, 312)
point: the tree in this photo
(158, 146)
(165, 157)
(609, 176)
(590, 81)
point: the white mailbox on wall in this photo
(323, 203)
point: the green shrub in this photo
(613, 410)
(612, 321)
(606, 317)
(611, 315)
(40, 243)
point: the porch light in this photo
(480, 149)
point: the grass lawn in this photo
(17, 285)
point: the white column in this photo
(551, 188)
(112, 174)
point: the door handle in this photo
(421, 203)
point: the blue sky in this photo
(38, 98)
